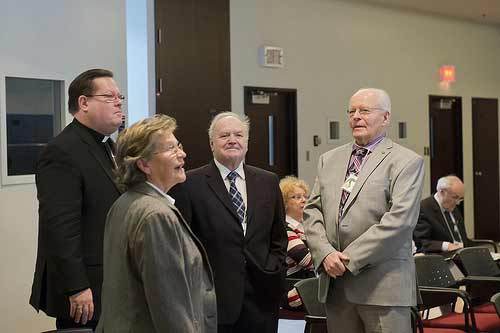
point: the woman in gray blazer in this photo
(156, 272)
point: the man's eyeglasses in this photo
(362, 111)
(171, 149)
(109, 98)
(299, 197)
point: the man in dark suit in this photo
(237, 212)
(75, 187)
(440, 226)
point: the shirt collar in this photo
(293, 223)
(439, 202)
(225, 171)
(371, 145)
(169, 198)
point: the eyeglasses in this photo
(109, 98)
(171, 149)
(362, 111)
(299, 197)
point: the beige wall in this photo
(332, 48)
(57, 40)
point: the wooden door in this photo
(193, 69)
(273, 129)
(445, 132)
(485, 160)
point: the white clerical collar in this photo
(224, 171)
(169, 198)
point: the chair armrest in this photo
(481, 288)
(485, 241)
(483, 281)
(315, 319)
(437, 296)
(447, 296)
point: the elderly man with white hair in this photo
(440, 226)
(359, 222)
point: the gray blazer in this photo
(156, 273)
(376, 227)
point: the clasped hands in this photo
(334, 264)
(81, 306)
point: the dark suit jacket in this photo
(75, 191)
(431, 229)
(259, 256)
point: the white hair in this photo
(383, 97)
(243, 118)
(446, 182)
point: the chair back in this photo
(433, 271)
(477, 261)
(308, 292)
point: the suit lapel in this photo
(339, 176)
(216, 184)
(382, 150)
(146, 189)
(252, 195)
(97, 153)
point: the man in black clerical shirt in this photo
(74, 180)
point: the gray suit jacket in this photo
(156, 273)
(375, 230)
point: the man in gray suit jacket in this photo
(359, 223)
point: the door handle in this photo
(270, 124)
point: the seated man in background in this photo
(440, 226)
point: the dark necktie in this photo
(455, 234)
(236, 197)
(354, 168)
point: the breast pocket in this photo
(376, 196)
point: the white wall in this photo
(332, 48)
(140, 60)
(52, 39)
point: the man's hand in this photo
(81, 306)
(334, 264)
(454, 246)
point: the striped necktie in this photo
(354, 168)
(236, 197)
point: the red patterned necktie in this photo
(354, 167)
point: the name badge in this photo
(350, 182)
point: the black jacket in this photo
(258, 256)
(431, 229)
(75, 186)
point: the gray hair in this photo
(139, 141)
(243, 118)
(383, 97)
(446, 182)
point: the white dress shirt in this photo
(241, 185)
